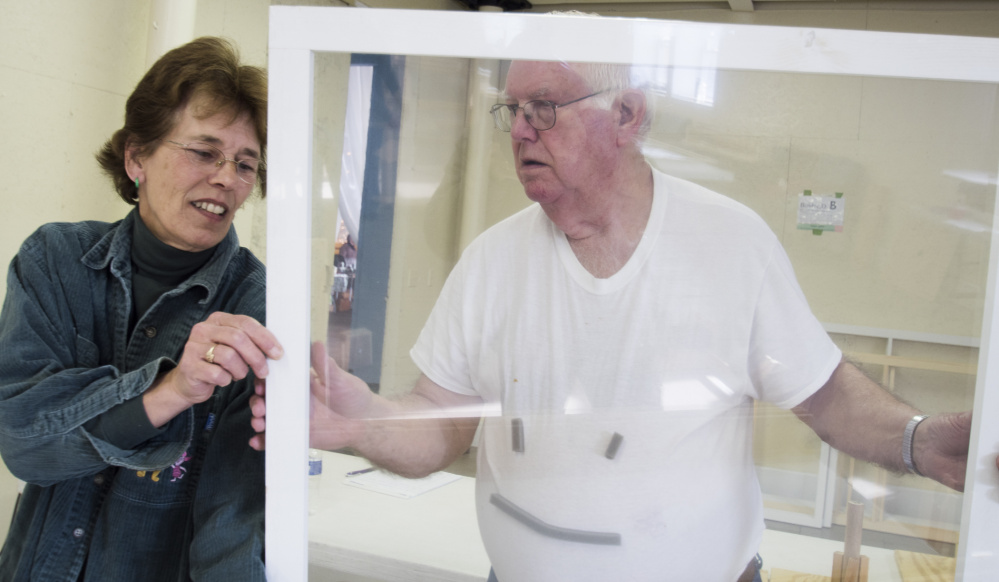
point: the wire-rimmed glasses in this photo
(539, 113)
(209, 157)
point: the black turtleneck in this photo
(158, 267)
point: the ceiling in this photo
(511, 5)
(734, 5)
(954, 17)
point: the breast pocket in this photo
(87, 354)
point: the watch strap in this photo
(910, 430)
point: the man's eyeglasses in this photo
(209, 157)
(539, 113)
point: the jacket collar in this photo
(114, 250)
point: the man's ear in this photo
(632, 111)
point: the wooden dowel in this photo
(851, 571)
(854, 529)
(837, 569)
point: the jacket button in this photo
(78, 532)
(150, 332)
(99, 479)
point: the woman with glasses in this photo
(128, 351)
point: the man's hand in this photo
(940, 448)
(338, 401)
(411, 435)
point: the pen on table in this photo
(360, 471)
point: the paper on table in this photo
(392, 484)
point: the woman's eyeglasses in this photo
(209, 157)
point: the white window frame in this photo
(297, 33)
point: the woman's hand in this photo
(219, 350)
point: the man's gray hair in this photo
(610, 77)
(614, 78)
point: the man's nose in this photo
(520, 129)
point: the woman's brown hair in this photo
(207, 67)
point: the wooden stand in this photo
(849, 565)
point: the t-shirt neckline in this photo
(578, 273)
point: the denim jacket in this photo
(187, 504)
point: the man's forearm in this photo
(413, 437)
(855, 415)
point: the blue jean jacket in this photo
(187, 504)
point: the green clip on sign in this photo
(820, 213)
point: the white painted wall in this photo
(66, 69)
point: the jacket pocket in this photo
(87, 354)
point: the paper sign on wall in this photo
(820, 213)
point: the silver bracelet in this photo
(910, 429)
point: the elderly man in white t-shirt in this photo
(619, 373)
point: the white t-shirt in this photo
(669, 353)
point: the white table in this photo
(360, 535)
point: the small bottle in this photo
(315, 478)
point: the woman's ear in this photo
(133, 162)
(632, 111)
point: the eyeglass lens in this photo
(209, 156)
(539, 114)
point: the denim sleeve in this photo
(228, 516)
(51, 384)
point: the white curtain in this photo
(355, 143)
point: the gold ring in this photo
(210, 354)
